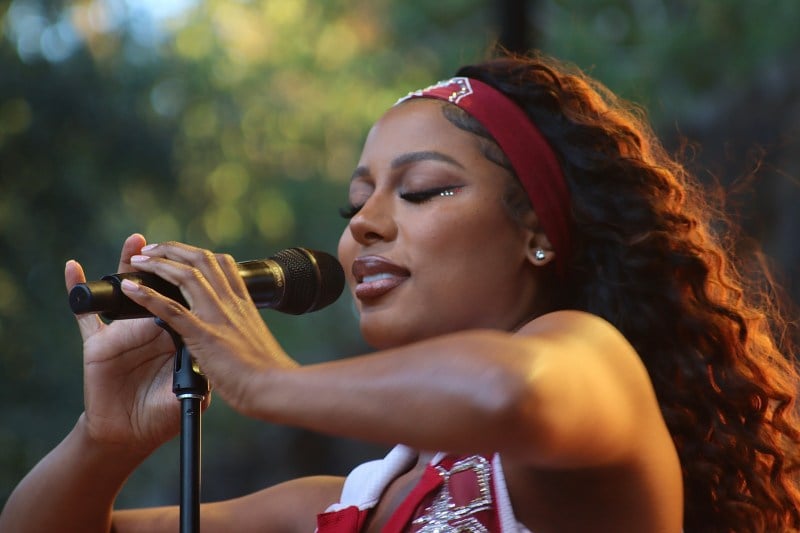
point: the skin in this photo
(562, 396)
(436, 237)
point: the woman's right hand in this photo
(128, 366)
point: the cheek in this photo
(473, 233)
(483, 247)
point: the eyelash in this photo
(349, 211)
(420, 197)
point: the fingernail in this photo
(139, 258)
(129, 285)
(149, 247)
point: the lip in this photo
(376, 276)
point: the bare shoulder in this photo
(592, 399)
(607, 454)
(576, 324)
(589, 338)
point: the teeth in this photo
(376, 277)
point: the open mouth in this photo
(376, 276)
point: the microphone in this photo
(294, 281)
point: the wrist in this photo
(265, 395)
(122, 454)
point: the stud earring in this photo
(539, 254)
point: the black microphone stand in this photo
(191, 388)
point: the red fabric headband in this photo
(530, 155)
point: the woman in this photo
(550, 310)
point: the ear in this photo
(538, 251)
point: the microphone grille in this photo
(313, 280)
(331, 279)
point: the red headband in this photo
(530, 155)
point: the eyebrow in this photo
(412, 157)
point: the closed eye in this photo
(419, 197)
(416, 197)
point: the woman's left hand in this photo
(221, 327)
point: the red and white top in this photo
(456, 494)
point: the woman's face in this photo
(431, 248)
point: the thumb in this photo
(89, 324)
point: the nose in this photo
(375, 221)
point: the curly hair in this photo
(651, 256)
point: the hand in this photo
(221, 327)
(127, 373)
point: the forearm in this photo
(567, 392)
(72, 489)
(448, 393)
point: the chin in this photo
(384, 340)
(383, 335)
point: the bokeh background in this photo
(235, 125)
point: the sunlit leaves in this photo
(195, 42)
(680, 59)
(273, 214)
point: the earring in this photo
(539, 254)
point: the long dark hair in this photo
(647, 259)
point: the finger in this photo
(207, 264)
(201, 296)
(179, 318)
(73, 274)
(200, 258)
(205, 279)
(231, 272)
(132, 246)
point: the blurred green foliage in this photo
(235, 125)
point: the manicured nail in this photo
(130, 286)
(139, 258)
(149, 247)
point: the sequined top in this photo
(456, 494)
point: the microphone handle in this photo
(264, 279)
